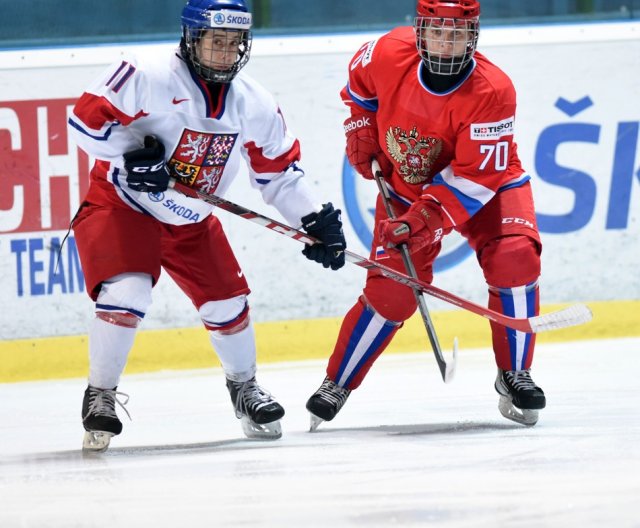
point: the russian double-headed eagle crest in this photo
(414, 155)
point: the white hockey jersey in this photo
(204, 139)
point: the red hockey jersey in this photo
(454, 147)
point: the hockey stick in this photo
(446, 370)
(570, 316)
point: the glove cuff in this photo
(421, 214)
(316, 220)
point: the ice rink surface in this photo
(406, 450)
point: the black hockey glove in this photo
(146, 168)
(327, 227)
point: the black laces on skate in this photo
(333, 393)
(251, 397)
(520, 379)
(102, 402)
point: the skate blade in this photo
(96, 441)
(315, 422)
(268, 431)
(528, 417)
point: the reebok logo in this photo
(178, 101)
(354, 124)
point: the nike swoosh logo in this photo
(178, 101)
(239, 273)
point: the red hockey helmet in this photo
(448, 9)
(447, 34)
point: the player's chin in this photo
(218, 66)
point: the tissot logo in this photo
(481, 131)
(493, 129)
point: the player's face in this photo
(218, 49)
(447, 41)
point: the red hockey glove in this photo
(420, 226)
(362, 144)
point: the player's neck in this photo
(442, 83)
(214, 89)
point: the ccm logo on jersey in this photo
(521, 221)
(482, 131)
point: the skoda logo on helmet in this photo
(218, 19)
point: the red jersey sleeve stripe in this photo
(261, 164)
(96, 111)
(368, 103)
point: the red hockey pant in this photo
(505, 238)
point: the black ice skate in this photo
(99, 417)
(520, 397)
(326, 402)
(258, 411)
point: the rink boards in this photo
(579, 141)
(189, 348)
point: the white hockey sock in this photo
(237, 353)
(109, 347)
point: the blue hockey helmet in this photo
(216, 38)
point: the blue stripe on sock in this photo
(110, 308)
(354, 339)
(531, 311)
(373, 348)
(508, 308)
